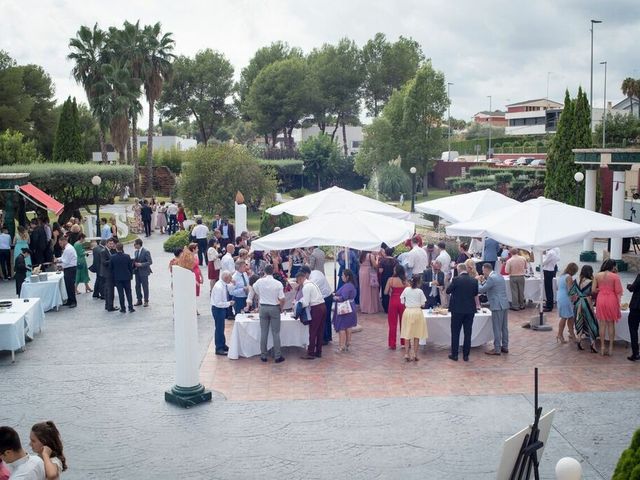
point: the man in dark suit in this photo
(122, 271)
(462, 305)
(228, 233)
(106, 275)
(142, 269)
(432, 283)
(634, 318)
(217, 223)
(95, 268)
(146, 212)
(37, 243)
(20, 269)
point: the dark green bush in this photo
(175, 241)
(628, 467)
(298, 193)
(479, 171)
(485, 183)
(393, 182)
(466, 185)
(517, 185)
(503, 177)
(269, 222)
(450, 182)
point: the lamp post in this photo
(578, 177)
(449, 115)
(413, 188)
(489, 154)
(96, 181)
(593, 22)
(302, 179)
(604, 111)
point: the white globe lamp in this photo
(568, 468)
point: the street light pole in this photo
(489, 154)
(578, 177)
(449, 114)
(96, 181)
(413, 189)
(604, 112)
(593, 22)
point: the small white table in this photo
(245, 336)
(622, 327)
(439, 329)
(21, 321)
(532, 288)
(51, 292)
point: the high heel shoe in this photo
(593, 349)
(560, 339)
(407, 358)
(579, 345)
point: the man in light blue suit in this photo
(494, 286)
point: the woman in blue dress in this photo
(565, 305)
(20, 241)
(344, 320)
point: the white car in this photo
(539, 162)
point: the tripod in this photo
(527, 459)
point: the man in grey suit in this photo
(98, 287)
(316, 260)
(141, 269)
(494, 286)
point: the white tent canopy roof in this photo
(358, 230)
(543, 223)
(467, 206)
(336, 199)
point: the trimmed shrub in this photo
(503, 178)
(628, 467)
(451, 181)
(288, 171)
(517, 185)
(466, 184)
(479, 171)
(177, 240)
(484, 183)
(269, 222)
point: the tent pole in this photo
(540, 326)
(335, 268)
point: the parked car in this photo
(538, 162)
(509, 162)
(523, 161)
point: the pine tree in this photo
(559, 182)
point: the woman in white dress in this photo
(45, 441)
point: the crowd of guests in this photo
(47, 462)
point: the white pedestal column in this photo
(589, 202)
(240, 218)
(617, 211)
(187, 391)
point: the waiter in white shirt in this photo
(69, 263)
(550, 260)
(312, 298)
(271, 295)
(219, 304)
(317, 277)
(200, 232)
(417, 259)
(172, 211)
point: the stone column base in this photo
(622, 265)
(187, 397)
(588, 256)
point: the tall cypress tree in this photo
(68, 142)
(76, 135)
(559, 182)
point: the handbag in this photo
(344, 308)
(373, 279)
(301, 313)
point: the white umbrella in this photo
(542, 223)
(460, 208)
(336, 199)
(359, 230)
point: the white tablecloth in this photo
(532, 287)
(622, 327)
(245, 337)
(52, 292)
(23, 319)
(439, 329)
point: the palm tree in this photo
(156, 70)
(87, 51)
(630, 88)
(128, 44)
(116, 98)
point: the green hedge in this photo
(503, 177)
(517, 185)
(466, 184)
(451, 182)
(479, 171)
(175, 241)
(483, 184)
(628, 467)
(269, 222)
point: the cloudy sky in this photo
(500, 48)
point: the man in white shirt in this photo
(200, 232)
(240, 289)
(445, 261)
(228, 263)
(22, 466)
(69, 263)
(271, 295)
(320, 280)
(416, 259)
(172, 212)
(220, 303)
(105, 230)
(550, 260)
(5, 253)
(312, 297)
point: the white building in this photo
(159, 143)
(532, 117)
(353, 133)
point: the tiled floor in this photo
(370, 370)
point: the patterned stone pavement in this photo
(370, 370)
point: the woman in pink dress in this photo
(369, 285)
(607, 286)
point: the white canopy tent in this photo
(541, 223)
(359, 230)
(336, 199)
(467, 206)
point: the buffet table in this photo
(245, 336)
(532, 287)
(51, 292)
(22, 320)
(439, 328)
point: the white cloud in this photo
(503, 49)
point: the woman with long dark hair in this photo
(414, 326)
(565, 305)
(607, 285)
(345, 318)
(394, 288)
(45, 441)
(386, 265)
(585, 319)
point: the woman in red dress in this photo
(394, 287)
(606, 284)
(181, 217)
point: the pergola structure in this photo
(618, 160)
(16, 183)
